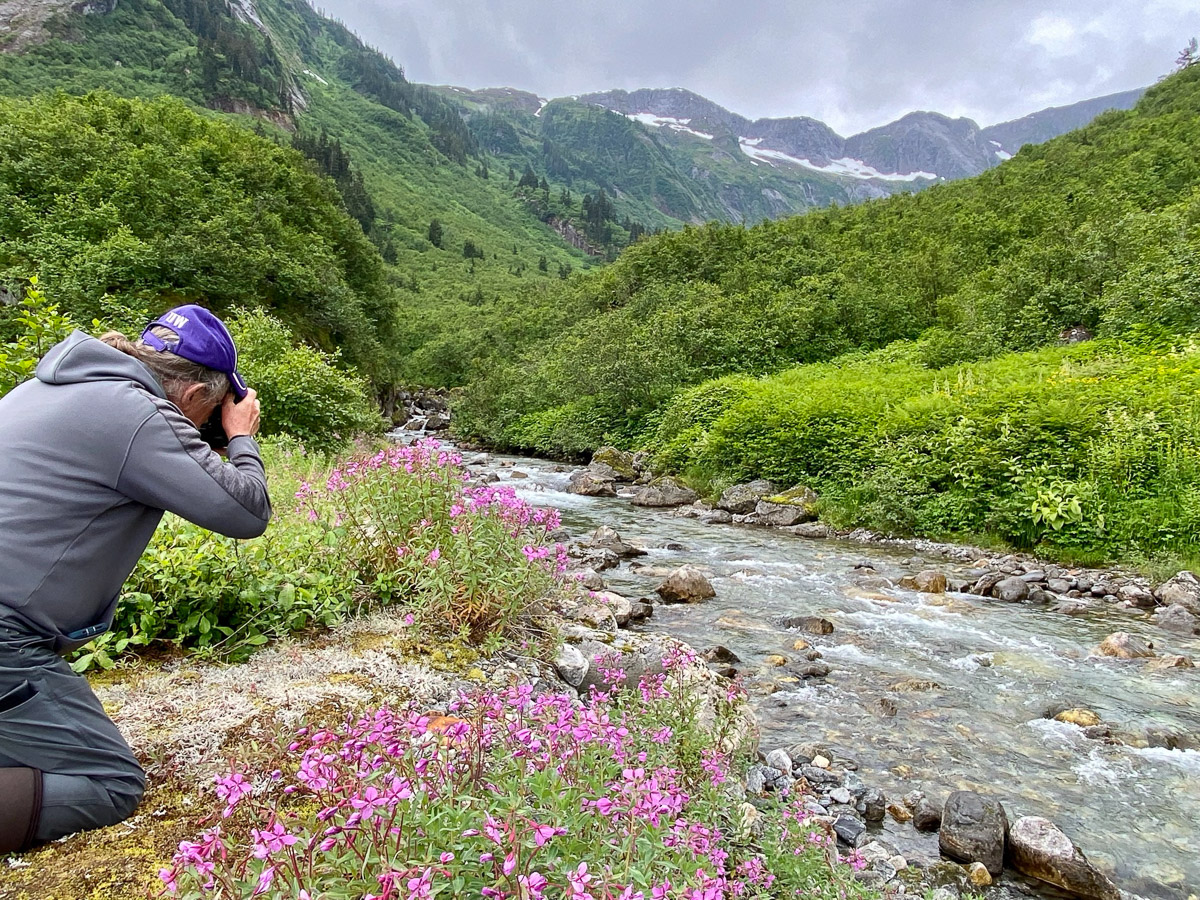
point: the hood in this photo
(82, 358)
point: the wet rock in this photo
(1182, 590)
(1039, 849)
(719, 654)
(1123, 645)
(884, 707)
(620, 462)
(1060, 585)
(606, 538)
(1176, 618)
(927, 815)
(801, 644)
(899, 812)
(928, 581)
(1037, 595)
(1072, 607)
(571, 664)
(596, 560)
(1170, 662)
(1080, 716)
(873, 805)
(640, 610)
(1011, 590)
(914, 685)
(818, 776)
(775, 660)
(983, 587)
(1136, 595)
(743, 498)
(716, 517)
(850, 830)
(1170, 738)
(1033, 576)
(664, 492)
(590, 484)
(789, 508)
(809, 624)
(814, 669)
(973, 830)
(685, 585)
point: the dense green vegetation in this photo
(1095, 230)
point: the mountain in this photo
(1041, 126)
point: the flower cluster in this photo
(513, 795)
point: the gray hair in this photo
(176, 373)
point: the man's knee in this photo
(73, 803)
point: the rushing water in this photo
(1133, 808)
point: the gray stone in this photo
(808, 624)
(1123, 645)
(1182, 590)
(596, 560)
(813, 670)
(606, 538)
(1039, 849)
(640, 610)
(590, 485)
(1176, 618)
(927, 816)
(850, 830)
(571, 664)
(810, 530)
(716, 517)
(664, 492)
(770, 512)
(685, 585)
(1136, 595)
(1034, 575)
(973, 830)
(756, 780)
(620, 607)
(590, 579)
(1011, 590)
(1060, 585)
(840, 795)
(873, 805)
(621, 463)
(719, 654)
(818, 776)
(779, 759)
(742, 498)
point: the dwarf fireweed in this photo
(416, 531)
(515, 795)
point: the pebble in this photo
(820, 762)
(840, 795)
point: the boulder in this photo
(1039, 849)
(589, 484)
(605, 538)
(792, 507)
(1176, 618)
(1182, 590)
(928, 581)
(810, 530)
(666, 491)
(1136, 595)
(622, 463)
(620, 607)
(590, 579)
(1123, 645)
(873, 805)
(1170, 662)
(595, 559)
(1060, 585)
(1011, 590)
(779, 759)
(926, 815)
(716, 517)
(973, 829)
(594, 614)
(719, 654)
(743, 498)
(809, 624)
(685, 585)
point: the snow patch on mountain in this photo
(542, 101)
(666, 122)
(846, 167)
(311, 74)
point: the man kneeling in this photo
(92, 451)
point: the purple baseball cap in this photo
(203, 338)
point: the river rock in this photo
(928, 581)
(686, 585)
(606, 538)
(571, 664)
(1084, 718)
(779, 759)
(813, 669)
(801, 644)
(589, 484)
(899, 812)
(1136, 595)
(621, 463)
(717, 517)
(665, 491)
(719, 654)
(593, 613)
(743, 498)
(978, 875)
(1182, 590)
(590, 579)
(1170, 662)
(597, 560)
(840, 795)
(926, 816)
(811, 530)
(1039, 849)
(809, 624)
(1060, 585)
(850, 830)
(789, 508)
(915, 685)
(973, 830)
(621, 607)
(1123, 645)
(640, 610)
(1176, 618)
(873, 805)
(1011, 590)
(775, 660)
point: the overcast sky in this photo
(853, 64)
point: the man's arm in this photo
(169, 467)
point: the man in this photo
(92, 451)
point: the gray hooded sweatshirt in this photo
(91, 454)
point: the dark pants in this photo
(51, 721)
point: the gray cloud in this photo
(854, 64)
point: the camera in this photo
(212, 432)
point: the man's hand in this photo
(240, 419)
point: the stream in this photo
(1133, 807)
